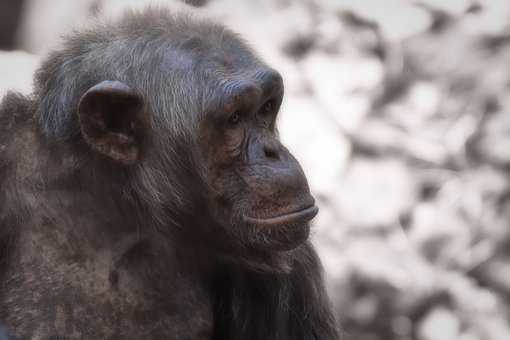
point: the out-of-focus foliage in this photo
(398, 111)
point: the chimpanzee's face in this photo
(255, 189)
(258, 191)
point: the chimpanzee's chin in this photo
(282, 238)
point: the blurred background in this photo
(398, 112)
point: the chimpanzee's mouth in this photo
(300, 216)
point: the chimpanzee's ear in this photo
(113, 120)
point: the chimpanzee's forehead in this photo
(204, 57)
(217, 66)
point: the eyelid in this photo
(276, 103)
(270, 102)
(232, 116)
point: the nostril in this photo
(271, 153)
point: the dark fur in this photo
(90, 249)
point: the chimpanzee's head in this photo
(192, 111)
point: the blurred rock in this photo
(16, 71)
(376, 193)
(440, 324)
(496, 273)
(342, 85)
(380, 137)
(46, 21)
(493, 17)
(494, 142)
(196, 3)
(397, 19)
(454, 7)
(439, 234)
(316, 143)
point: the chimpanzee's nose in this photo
(265, 149)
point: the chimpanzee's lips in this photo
(299, 216)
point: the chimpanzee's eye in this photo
(268, 108)
(234, 118)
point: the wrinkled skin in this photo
(145, 194)
(259, 191)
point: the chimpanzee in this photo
(145, 194)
